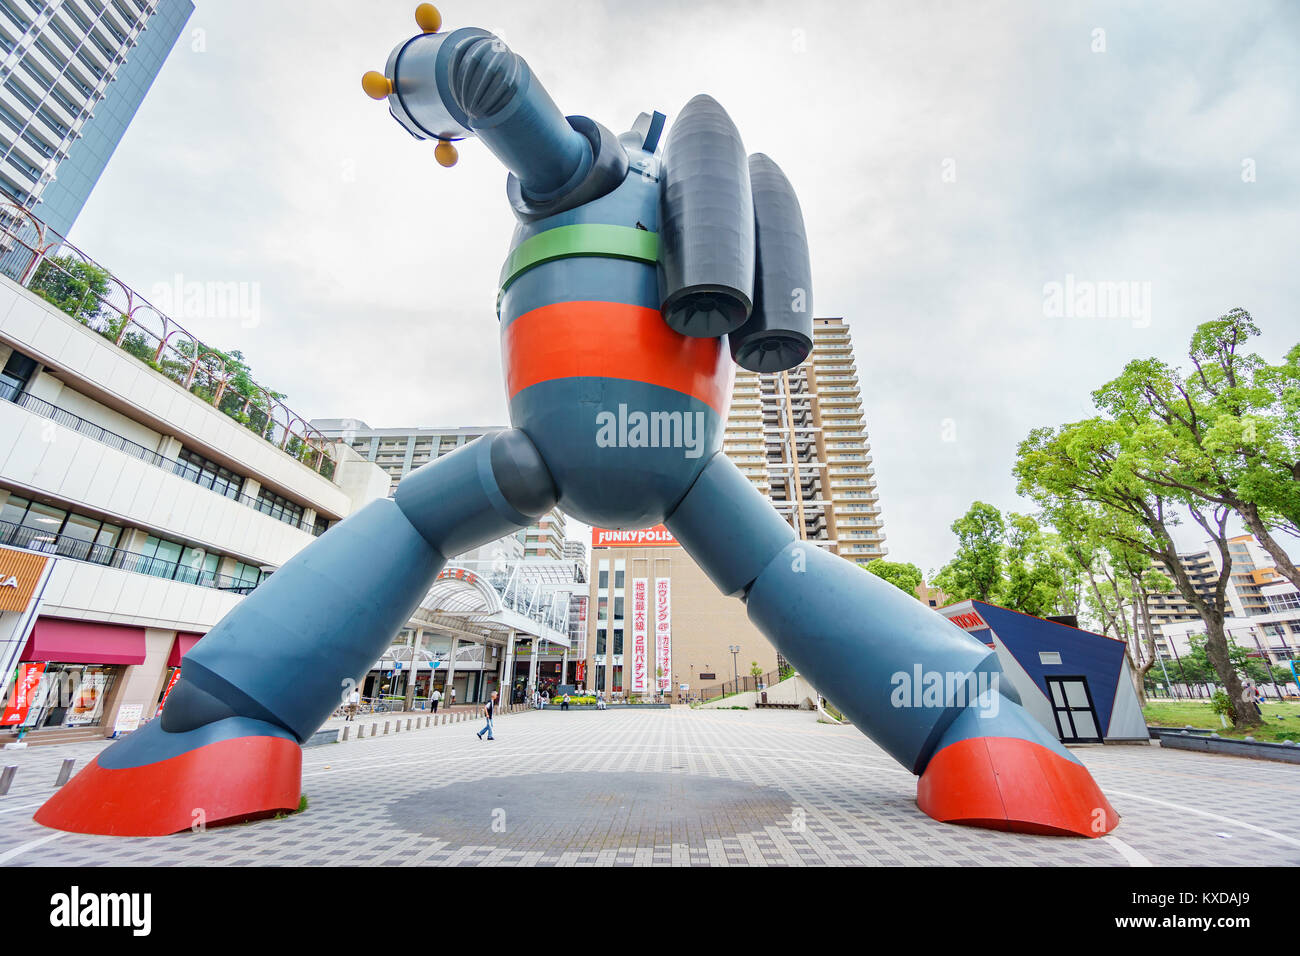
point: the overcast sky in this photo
(952, 160)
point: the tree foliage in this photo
(905, 577)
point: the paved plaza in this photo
(679, 787)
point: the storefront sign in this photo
(20, 572)
(638, 680)
(969, 621)
(128, 718)
(656, 537)
(663, 634)
(29, 679)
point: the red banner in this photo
(581, 675)
(29, 678)
(176, 675)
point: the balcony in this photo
(78, 549)
(61, 416)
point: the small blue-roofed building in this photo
(1077, 683)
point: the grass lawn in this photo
(1281, 718)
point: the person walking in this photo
(489, 711)
(434, 699)
(354, 703)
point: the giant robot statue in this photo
(633, 282)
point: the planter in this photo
(1203, 741)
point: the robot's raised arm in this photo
(452, 85)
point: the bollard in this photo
(385, 727)
(397, 726)
(7, 777)
(65, 771)
(408, 723)
(374, 730)
(444, 720)
(428, 722)
(344, 738)
(361, 731)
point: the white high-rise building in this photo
(72, 75)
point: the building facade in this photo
(801, 438)
(1263, 606)
(652, 611)
(399, 451)
(73, 75)
(151, 508)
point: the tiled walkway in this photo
(675, 787)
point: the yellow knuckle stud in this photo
(376, 85)
(446, 155)
(427, 18)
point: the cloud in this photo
(260, 160)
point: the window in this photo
(30, 524)
(618, 640)
(246, 575)
(159, 557)
(282, 509)
(17, 373)
(197, 566)
(194, 467)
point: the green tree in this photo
(1244, 419)
(1198, 668)
(905, 577)
(976, 569)
(1033, 580)
(1099, 464)
(72, 285)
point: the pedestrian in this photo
(451, 702)
(435, 698)
(564, 705)
(546, 699)
(354, 702)
(489, 711)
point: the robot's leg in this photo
(925, 691)
(227, 746)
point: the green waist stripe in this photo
(582, 239)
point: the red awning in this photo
(84, 642)
(181, 647)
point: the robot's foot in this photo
(154, 782)
(1004, 772)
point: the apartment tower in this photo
(800, 437)
(72, 75)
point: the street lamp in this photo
(735, 671)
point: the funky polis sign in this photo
(656, 537)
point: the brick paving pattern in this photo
(674, 788)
